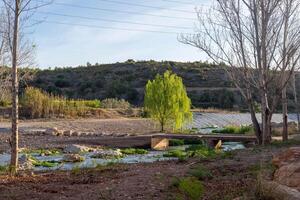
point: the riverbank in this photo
(226, 178)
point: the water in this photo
(89, 162)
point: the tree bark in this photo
(255, 122)
(266, 120)
(284, 116)
(15, 91)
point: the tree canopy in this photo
(166, 101)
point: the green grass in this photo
(131, 151)
(176, 153)
(38, 163)
(189, 188)
(200, 173)
(234, 130)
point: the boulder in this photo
(287, 157)
(276, 191)
(288, 164)
(107, 154)
(73, 158)
(76, 149)
(289, 175)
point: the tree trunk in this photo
(296, 100)
(284, 116)
(15, 91)
(266, 120)
(255, 123)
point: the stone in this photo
(287, 157)
(107, 154)
(51, 131)
(76, 149)
(73, 158)
(76, 133)
(68, 133)
(276, 191)
(289, 175)
(288, 164)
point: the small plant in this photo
(190, 188)
(201, 173)
(3, 169)
(38, 163)
(176, 153)
(42, 152)
(131, 151)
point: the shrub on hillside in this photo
(114, 103)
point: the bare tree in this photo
(17, 14)
(259, 42)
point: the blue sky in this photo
(72, 45)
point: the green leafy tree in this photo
(166, 101)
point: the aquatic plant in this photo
(43, 152)
(131, 151)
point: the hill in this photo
(208, 85)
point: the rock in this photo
(289, 175)
(73, 158)
(76, 133)
(51, 131)
(287, 157)
(76, 149)
(68, 133)
(107, 154)
(276, 191)
(25, 163)
(288, 163)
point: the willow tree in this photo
(167, 102)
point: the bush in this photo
(234, 130)
(190, 188)
(5, 103)
(114, 103)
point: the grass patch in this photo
(234, 130)
(176, 153)
(131, 151)
(200, 173)
(189, 188)
(284, 144)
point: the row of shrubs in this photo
(39, 104)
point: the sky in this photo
(95, 32)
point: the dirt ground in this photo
(114, 127)
(232, 177)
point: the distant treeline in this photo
(207, 84)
